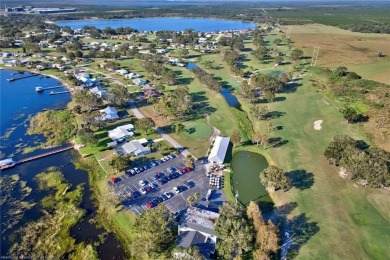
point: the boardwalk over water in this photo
(60, 150)
(24, 77)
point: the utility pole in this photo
(315, 56)
(288, 32)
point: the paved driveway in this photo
(128, 185)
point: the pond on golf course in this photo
(245, 179)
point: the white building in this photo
(109, 113)
(121, 132)
(98, 91)
(197, 229)
(136, 148)
(122, 71)
(219, 149)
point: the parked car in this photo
(161, 181)
(148, 188)
(142, 183)
(167, 158)
(153, 186)
(164, 197)
(175, 175)
(168, 194)
(149, 205)
(171, 169)
(160, 199)
(114, 180)
(188, 184)
(172, 156)
(176, 214)
(143, 191)
(176, 190)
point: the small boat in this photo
(38, 89)
(7, 163)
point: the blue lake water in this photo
(18, 102)
(166, 23)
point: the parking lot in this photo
(127, 187)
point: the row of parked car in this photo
(149, 165)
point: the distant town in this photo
(28, 9)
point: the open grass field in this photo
(195, 135)
(356, 51)
(334, 218)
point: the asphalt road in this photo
(128, 185)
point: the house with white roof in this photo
(121, 132)
(218, 152)
(132, 76)
(122, 71)
(98, 91)
(109, 113)
(196, 229)
(140, 82)
(136, 148)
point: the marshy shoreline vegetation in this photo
(48, 236)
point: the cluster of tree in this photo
(192, 199)
(117, 95)
(145, 124)
(86, 100)
(120, 163)
(236, 42)
(259, 112)
(258, 137)
(58, 126)
(186, 37)
(353, 89)
(207, 79)
(262, 85)
(106, 54)
(266, 237)
(275, 178)
(241, 231)
(175, 103)
(233, 58)
(367, 28)
(296, 54)
(257, 37)
(260, 53)
(369, 165)
(87, 136)
(154, 233)
(154, 67)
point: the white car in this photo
(176, 190)
(142, 183)
(168, 194)
(143, 191)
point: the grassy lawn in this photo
(330, 207)
(227, 186)
(195, 136)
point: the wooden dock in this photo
(53, 87)
(60, 150)
(56, 93)
(23, 77)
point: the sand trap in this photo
(317, 125)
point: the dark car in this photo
(175, 175)
(155, 202)
(164, 197)
(168, 177)
(161, 181)
(148, 188)
(160, 199)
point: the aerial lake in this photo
(18, 102)
(166, 23)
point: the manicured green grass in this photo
(344, 223)
(195, 137)
(227, 186)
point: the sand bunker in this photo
(317, 125)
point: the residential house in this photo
(135, 148)
(122, 72)
(120, 133)
(98, 91)
(140, 82)
(132, 76)
(109, 113)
